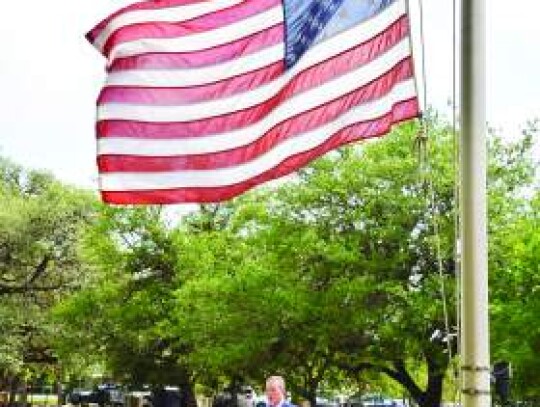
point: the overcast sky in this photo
(50, 76)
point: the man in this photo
(275, 392)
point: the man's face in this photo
(273, 393)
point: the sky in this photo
(50, 76)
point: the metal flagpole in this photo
(475, 369)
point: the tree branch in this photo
(40, 270)
(28, 286)
(399, 374)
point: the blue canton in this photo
(310, 21)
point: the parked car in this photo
(245, 397)
(370, 400)
(141, 398)
(327, 402)
(110, 395)
(103, 395)
(167, 396)
(79, 396)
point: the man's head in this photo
(275, 390)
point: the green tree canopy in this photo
(330, 279)
(41, 223)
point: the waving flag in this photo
(206, 99)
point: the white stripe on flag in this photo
(203, 40)
(237, 174)
(197, 76)
(316, 96)
(169, 14)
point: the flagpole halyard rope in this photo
(421, 142)
(423, 60)
(457, 198)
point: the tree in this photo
(346, 258)
(515, 268)
(352, 233)
(372, 214)
(334, 277)
(117, 318)
(41, 222)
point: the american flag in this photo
(204, 100)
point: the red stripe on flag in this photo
(402, 111)
(172, 29)
(299, 124)
(143, 5)
(307, 79)
(178, 96)
(210, 56)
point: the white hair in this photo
(278, 381)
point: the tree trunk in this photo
(14, 386)
(59, 390)
(436, 368)
(24, 393)
(437, 363)
(432, 395)
(309, 389)
(187, 394)
(312, 398)
(402, 376)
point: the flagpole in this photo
(475, 364)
